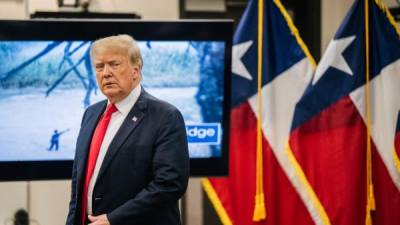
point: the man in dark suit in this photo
(131, 164)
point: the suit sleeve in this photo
(73, 202)
(170, 172)
(71, 217)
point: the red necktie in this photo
(95, 145)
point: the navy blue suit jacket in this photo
(145, 170)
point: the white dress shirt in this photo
(124, 106)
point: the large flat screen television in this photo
(47, 81)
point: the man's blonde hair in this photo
(119, 44)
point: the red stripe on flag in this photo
(331, 149)
(387, 196)
(237, 191)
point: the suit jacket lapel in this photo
(131, 121)
(86, 137)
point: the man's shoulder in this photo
(96, 107)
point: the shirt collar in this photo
(126, 104)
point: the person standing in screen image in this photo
(131, 163)
(55, 139)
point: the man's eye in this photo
(114, 65)
(99, 67)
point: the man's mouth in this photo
(108, 84)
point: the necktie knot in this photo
(111, 108)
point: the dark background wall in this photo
(306, 15)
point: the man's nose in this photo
(107, 71)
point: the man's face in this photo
(115, 75)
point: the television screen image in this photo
(47, 82)
(46, 87)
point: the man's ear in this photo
(135, 73)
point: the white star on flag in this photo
(333, 57)
(238, 67)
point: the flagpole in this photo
(370, 189)
(259, 208)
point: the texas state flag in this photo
(329, 131)
(265, 42)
